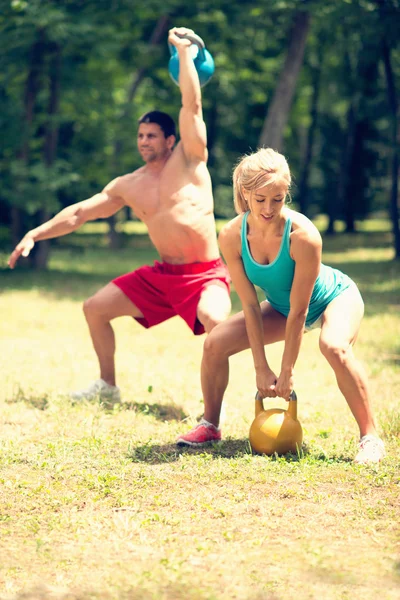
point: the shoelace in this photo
(372, 445)
(204, 423)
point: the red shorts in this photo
(164, 290)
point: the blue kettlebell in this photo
(203, 61)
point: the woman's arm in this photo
(229, 240)
(306, 248)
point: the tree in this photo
(394, 120)
(278, 111)
(157, 35)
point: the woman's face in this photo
(266, 203)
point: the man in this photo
(172, 195)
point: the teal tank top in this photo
(276, 278)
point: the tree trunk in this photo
(393, 103)
(305, 171)
(278, 111)
(114, 239)
(344, 169)
(31, 90)
(212, 128)
(41, 256)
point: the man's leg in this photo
(214, 305)
(107, 304)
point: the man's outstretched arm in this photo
(192, 128)
(99, 206)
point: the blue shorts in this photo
(317, 324)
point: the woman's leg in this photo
(340, 325)
(225, 340)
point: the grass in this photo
(102, 505)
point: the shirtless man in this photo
(172, 195)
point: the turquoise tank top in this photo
(276, 278)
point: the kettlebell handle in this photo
(292, 409)
(293, 396)
(195, 39)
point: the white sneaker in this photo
(370, 450)
(99, 390)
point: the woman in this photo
(279, 250)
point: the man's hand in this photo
(175, 40)
(23, 249)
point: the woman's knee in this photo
(215, 343)
(336, 353)
(211, 321)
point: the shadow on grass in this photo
(359, 239)
(74, 273)
(162, 412)
(56, 284)
(38, 401)
(231, 449)
(165, 453)
(167, 591)
(392, 360)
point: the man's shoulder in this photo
(178, 152)
(126, 181)
(132, 176)
(186, 158)
(123, 185)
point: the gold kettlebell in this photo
(276, 430)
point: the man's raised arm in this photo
(191, 125)
(99, 206)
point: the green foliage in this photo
(104, 47)
(36, 186)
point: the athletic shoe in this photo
(370, 450)
(99, 391)
(202, 434)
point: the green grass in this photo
(98, 504)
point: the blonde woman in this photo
(279, 250)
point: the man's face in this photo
(152, 143)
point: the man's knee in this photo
(100, 305)
(109, 303)
(93, 307)
(214, 306)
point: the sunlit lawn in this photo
(96, 504)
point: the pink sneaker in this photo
(202, 434)
(370, 450)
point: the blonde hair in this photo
(264, 167)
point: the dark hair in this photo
(162, 119)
